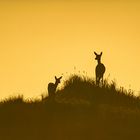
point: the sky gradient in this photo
(41, 39)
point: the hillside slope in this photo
(79, 111)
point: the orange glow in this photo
(39, 40)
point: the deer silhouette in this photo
(52, 86)
(100, 69)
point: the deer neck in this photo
(56, 84)
(99, 61)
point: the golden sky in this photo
(41, 39)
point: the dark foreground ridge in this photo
(79, 111)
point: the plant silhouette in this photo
(81, 111)
(100, 69)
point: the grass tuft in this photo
(80, 110)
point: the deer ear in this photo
(95, 53)
(101, 53)
(60, 77)
(55, 78)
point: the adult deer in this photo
(52, 86)
(100, 69)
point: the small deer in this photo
(52, 86)
(100, 69)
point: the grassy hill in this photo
(78, 111)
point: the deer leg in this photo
(102, 80)
(97, 81)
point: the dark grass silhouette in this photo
(79, 111)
